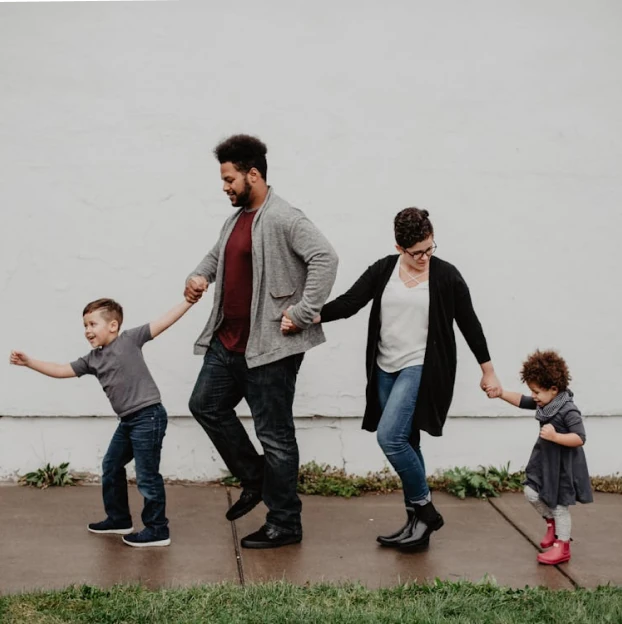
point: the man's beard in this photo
(244, 198)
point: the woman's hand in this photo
(289, 327)
(490, 384)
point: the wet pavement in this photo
(46, 545)
(596, 545)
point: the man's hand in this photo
(19, 358)
(287, 325)
(195, 287)
(547, 432)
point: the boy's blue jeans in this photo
(398, 396)
(139, 436)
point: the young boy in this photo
(118, 363)
(557, 474)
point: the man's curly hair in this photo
(546, 369)
(245, 152)
(412, 226)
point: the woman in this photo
(411, 358)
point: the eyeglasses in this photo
(417, 255)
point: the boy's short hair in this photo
(109, 308)
(411, 226)
(245, 152)
(546, 369)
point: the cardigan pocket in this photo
(280, 301)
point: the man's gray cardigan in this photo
(293, 264)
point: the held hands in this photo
(493, 393)
(547, 432)
(491, 385)
(195, 287)
(19, 358)
(289, 327)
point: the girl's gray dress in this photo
(559, 473)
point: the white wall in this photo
(503, 119)
(28, 443)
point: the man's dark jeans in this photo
(139, 436)
(223, 382)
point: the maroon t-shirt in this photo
(238, 285)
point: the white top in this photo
(403, 324)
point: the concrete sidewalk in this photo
(46, 545)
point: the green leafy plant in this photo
(463, 482)
(49, 476)
(482, 483)
(230, 481)
(502, 479)
(325, 480)
(485, 482)
(611, 484)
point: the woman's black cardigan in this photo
(449, 300)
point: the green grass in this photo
(281, 602)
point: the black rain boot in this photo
(400, 534)
(427, 521)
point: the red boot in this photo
(549, 538)
(558, 554)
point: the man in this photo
(268, 257)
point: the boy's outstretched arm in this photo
(172, 316)
(51, 369)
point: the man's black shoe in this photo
(270, 537)
(249, 499)
(109, 526)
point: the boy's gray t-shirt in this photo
(122, 371)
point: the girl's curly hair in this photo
(546, 369)
(412, 226)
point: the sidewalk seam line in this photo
(519, 530)
(236, 546)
